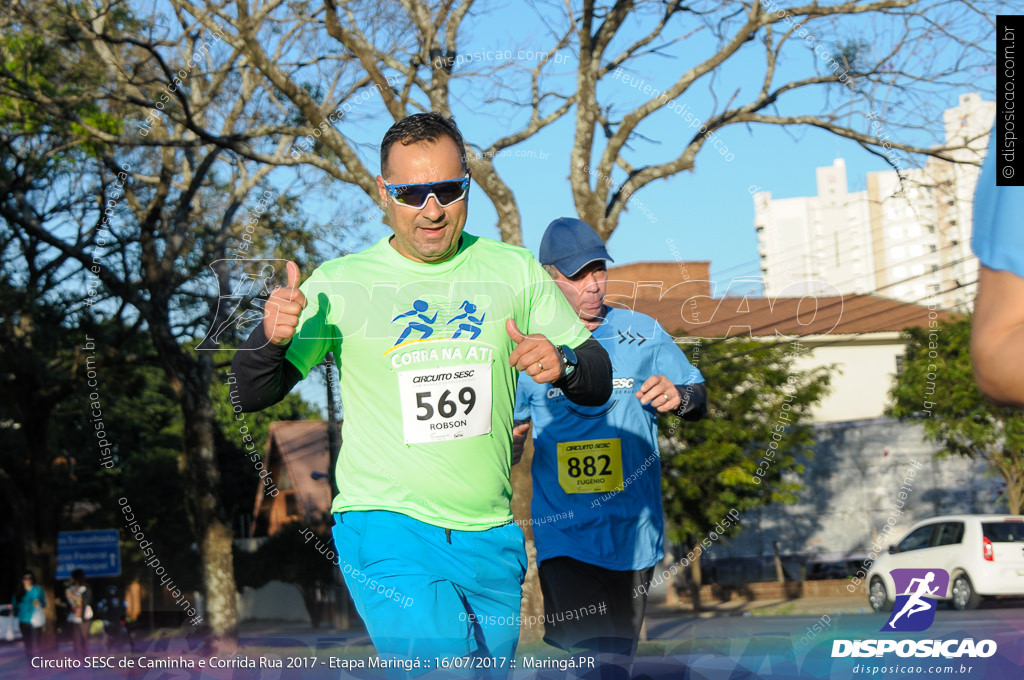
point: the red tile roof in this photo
(684, 306)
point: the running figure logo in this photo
(916, 590)
(467, 322)
(423, 326)
(472, 323)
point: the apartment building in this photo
(906, 236)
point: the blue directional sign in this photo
(97, 553)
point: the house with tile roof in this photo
(297, 457)
(861, 455)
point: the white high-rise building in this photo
(907, 236)
(809, 245)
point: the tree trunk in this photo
(1014, 494)
(696, 580)
(1005, 463)
(780, 573)
(504, 201)
(522, 495)
(213, 532)
(39, 536)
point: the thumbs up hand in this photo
(282, 310)
(534, 354)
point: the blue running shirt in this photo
(600, 464)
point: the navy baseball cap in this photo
(570, 245)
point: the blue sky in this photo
(707, 213)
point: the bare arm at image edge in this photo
(997, 336)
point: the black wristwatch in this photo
(569, 359)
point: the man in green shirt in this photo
(430, 327)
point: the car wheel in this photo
(964, 596)
(878, 597)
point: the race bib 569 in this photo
(439, 404)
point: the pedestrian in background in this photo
(79, 596)
(29, 602)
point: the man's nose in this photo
(432, 209)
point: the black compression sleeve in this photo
(264, 375)
(695, 401)
(591, 383)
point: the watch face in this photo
(568, 356)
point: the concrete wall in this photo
(851, 488)
(866, 369)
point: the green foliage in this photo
(50, 78)
(63, 92)
(143, 421)
(711, 467)
(936, 388)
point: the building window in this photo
(899, 364)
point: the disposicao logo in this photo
(914, 611)
(916, 590)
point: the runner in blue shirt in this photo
(597, 516)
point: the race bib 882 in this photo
(593, 466)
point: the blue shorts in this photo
(425, 593)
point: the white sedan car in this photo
(983, 554)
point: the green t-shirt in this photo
(422, 354)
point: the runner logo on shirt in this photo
(422, 325)
(419, 323)
(471, 324)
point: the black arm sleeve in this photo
(695, 401)
(264, 375)
(591, 383)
